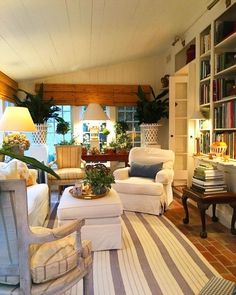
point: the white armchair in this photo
(141, 187)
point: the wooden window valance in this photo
(83, 94)
(8, 87)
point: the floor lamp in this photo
(95, 113)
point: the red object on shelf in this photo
(190, 53)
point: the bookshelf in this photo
(217, 81)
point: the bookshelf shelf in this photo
(206, 54)
(205, 79)
(225, 99)
(217, 81)
(227, 43)
(229, 70)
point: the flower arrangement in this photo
(99, 178)
(16, 140)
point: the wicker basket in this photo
(218, 150)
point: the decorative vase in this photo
(149, 134)
(17, 150)
(40, 136)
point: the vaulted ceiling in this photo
(40, 38)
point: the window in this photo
(54, 138)
(127, 114)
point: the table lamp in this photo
(17, 119)
(95, 113)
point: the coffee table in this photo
(102, 218)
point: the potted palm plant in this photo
(150, 112)
(40, 110)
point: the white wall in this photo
(143, 71)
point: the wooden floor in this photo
(219, 248)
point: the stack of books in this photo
(208, 180)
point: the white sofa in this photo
(144, 194)
(37, 194)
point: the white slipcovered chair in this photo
(38, 260)
(144, 194)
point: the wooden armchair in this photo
(69, 166)
(20, 245)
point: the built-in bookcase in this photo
(217, 76)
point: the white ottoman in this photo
(102, 218)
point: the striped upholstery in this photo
(52, 259)
(219, 286)
(68, 173)
(68, 156)
(68, 160)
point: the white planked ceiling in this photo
(40, 38)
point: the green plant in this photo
(152, 111)
(63, 127)
(99, 177)
(122, 140)
(41, 110)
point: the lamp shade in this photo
(197, 115)
(95, 112)
(17, 119)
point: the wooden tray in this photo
(88, 196)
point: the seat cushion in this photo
(138, 185)
(72, 208)
(52, 259)
(69, 173)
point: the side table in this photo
(204, 201)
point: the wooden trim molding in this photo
(8, 87)
(83, 94)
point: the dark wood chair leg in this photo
(185, 205)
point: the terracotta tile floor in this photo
(219, 248)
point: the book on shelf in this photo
(205, 93)
(225, 60)
(205, 69)
(224, 29)
(209, 189)
(202, 171)
(208, 182)
(223, 87)
(208, 193)
(224, 115)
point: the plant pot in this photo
(40, 136)
(16, 150)
(97, 190)
(149, 134)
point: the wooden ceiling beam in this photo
(83, 94)
(8, 87)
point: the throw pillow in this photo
(147, 171)
(9, 170)
(52, 259)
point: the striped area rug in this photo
(156, 258)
